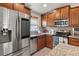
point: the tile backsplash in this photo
(70, 29)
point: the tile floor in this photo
(43, 52)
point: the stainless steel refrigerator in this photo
(21, 30)
(12, 20)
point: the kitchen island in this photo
(64, 50)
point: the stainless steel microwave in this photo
(61, 23)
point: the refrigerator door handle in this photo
(17, 28)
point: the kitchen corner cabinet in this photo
(73, 41)
(49, 41)
(65, 11)
(51, 19)
(7, 5)
(44, 20)
(74, 17)
(41, 42)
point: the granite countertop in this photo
(74, 36)
(40, 34)
(64, 50)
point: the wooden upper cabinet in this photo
(51, 19)
(57, 14)
(7, 5)
(44, 20)
(62, 13)
(65, 11)
(18, 7)
(27, 11)
(74, 17)
(21, 8)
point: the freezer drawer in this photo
(25, 42)
(7, 48)
(33, 45)
(1, 50)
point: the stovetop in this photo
(65, 34)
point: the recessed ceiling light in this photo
(44, 5)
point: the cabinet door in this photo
(19, 7)
(7, 5)
(40, 42)
(27, 11)
(65, 12)
(44, 20)
(74, 17)
(51, 20)
(57, 14)
(49, 41)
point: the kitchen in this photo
(39, 29)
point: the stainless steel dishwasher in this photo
(33, 45)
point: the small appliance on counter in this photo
(51, 31)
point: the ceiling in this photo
(38, 7)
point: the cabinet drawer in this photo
(74, 41)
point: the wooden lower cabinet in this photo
(49, 41)
(74, 41)
(41, 42)
(44, 41)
